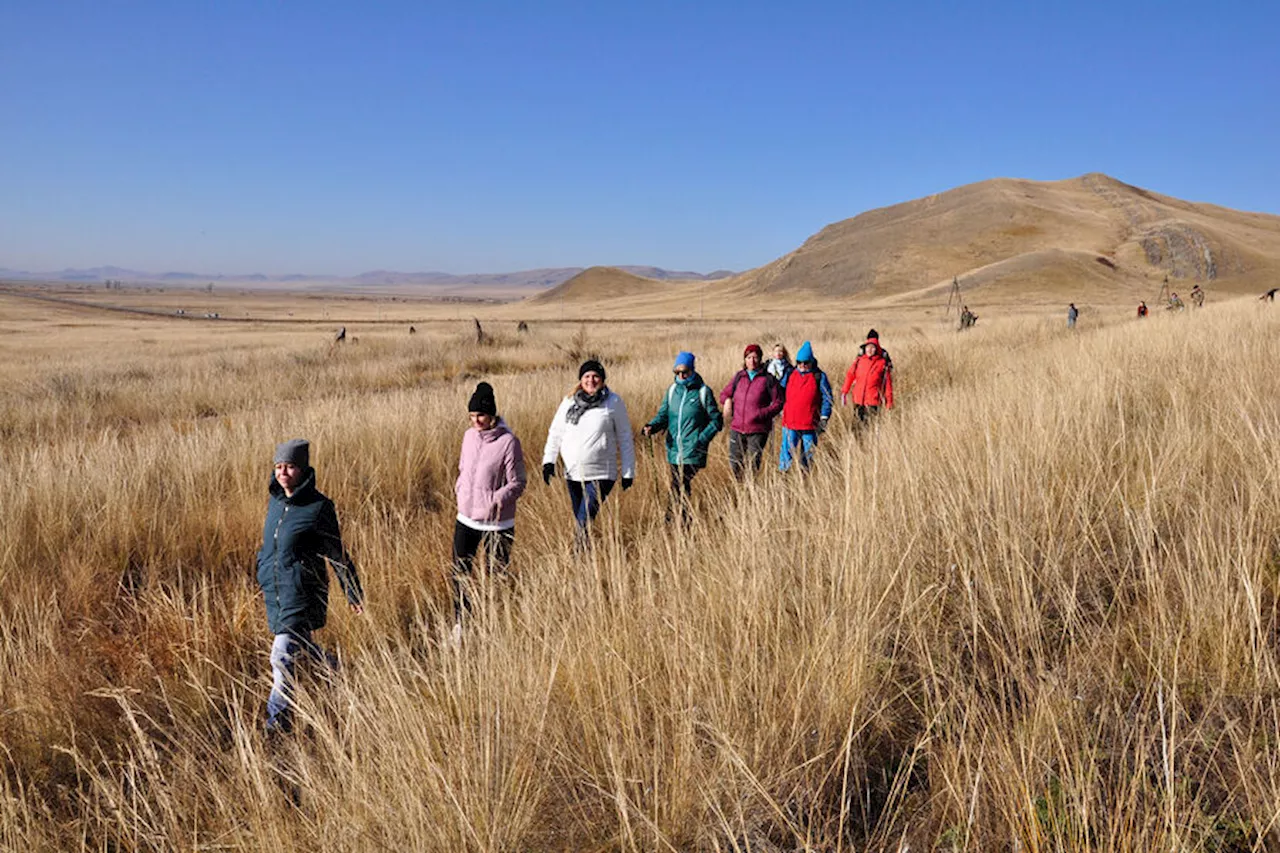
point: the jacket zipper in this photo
(275, 542)
(680, 423)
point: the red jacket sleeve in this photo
(848, 378)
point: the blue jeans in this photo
(586, 497)
(285, 650)
(805, 441)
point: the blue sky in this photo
(285, 136)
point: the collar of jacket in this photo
(694, 383)
(302, 494)
(493, 433)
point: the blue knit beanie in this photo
(684, 359)
(805, 353)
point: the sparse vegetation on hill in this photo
(1024, 235)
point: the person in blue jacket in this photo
(299, 537)
(691, 417)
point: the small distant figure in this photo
(1142, 310)
(1073, 314)
(1197, 296)
(341, 337)
(412, 330)
(522, 327)
(1270, 295)
(480, 335)
(1175, 303)
(968, 319)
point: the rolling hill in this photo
(1091, 238)
(1091, 233)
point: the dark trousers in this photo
(681, 482)
(466, 544)
(746, 447)
(866, 414)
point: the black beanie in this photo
(482, 400)
(591, 366)
(873, 334)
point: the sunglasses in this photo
(682, 371)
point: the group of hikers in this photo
(1172, 303)
(591, 437)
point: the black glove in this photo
(548, 471)
(822, 424)
(626, 482)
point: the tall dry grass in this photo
(1035, 609)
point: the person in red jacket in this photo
(752, 399)
(869, 382)
(806, 407)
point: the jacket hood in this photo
(308, 486)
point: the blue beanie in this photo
(684, 359)
(805, 353)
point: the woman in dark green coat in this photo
(691, 417)
(299, 537)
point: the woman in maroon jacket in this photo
(752, 399)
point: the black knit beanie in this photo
(873, 334)
(591, 366)
(482, 400)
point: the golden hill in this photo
(596, 283)
(1093, 233)
(1006, 240)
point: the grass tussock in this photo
(1034, 609)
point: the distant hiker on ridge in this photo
(589, 431)
(807, 406)
(691, 418)
(300, 535)
(491, 477)
(751, 400)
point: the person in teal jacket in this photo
(300, 540)
(691, 417)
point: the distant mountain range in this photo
(532, 279)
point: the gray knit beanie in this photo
(296, 451)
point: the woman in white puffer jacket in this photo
(589, 432)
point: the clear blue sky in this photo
(287, 136)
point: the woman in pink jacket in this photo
(490, 479)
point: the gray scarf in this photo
(582, 401)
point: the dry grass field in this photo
(1036, 609)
